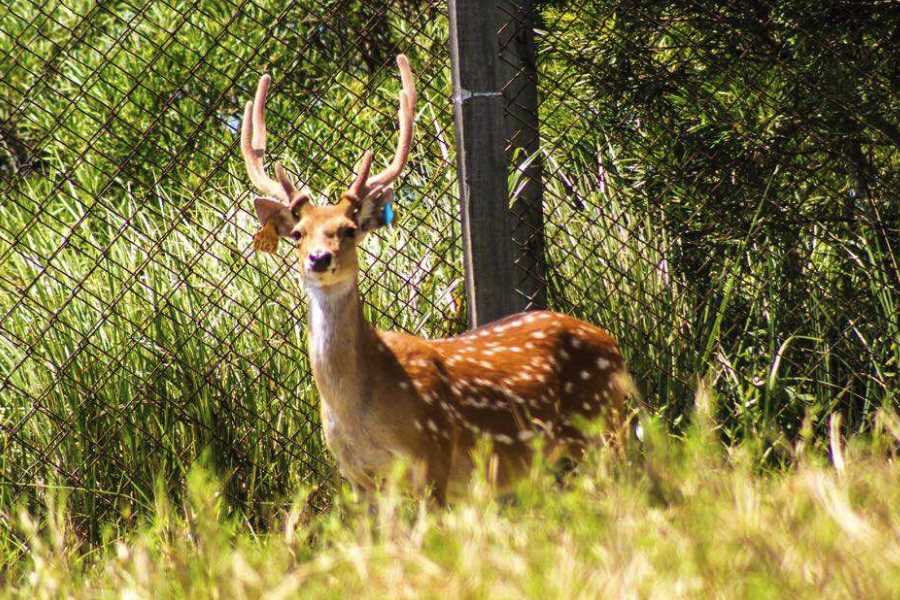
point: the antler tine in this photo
(407, 114)
(253, 147)
(356, 190)
(259, 112)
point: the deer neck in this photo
(339, 339)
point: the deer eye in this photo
(296, 236)
(348, 232)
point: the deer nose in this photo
(319, 261)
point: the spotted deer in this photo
(387, 394)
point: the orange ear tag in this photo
(266, 239)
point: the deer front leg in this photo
(428, 478)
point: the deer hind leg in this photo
(504, 467)
(565, 449)
(571, 441)
(618, 414)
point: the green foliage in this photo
(677, 519)
(720, 193)
(747, 154)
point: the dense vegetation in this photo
(681, 520)
(721, 193)
(752, 148)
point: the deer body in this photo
(386, 395)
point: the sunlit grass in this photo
(677, 518)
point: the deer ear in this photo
(376, 210)
(280, 216)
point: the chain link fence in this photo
(717, 186)
(720, 189)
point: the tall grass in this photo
(679, 518)
(138, 331)
(749, 252)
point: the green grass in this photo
(678, 518)
(139, 329)
(139, 332)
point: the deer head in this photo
(325, 237)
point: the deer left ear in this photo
(276, 221)
(376, 210)
(279, 215)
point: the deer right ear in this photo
(376, 210)
(276, 220)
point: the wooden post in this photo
(492, 51)
(518, 77)
(481, 161)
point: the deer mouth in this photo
(325, 278)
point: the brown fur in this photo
(386, 395)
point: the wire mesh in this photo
(139, 331)
(720, 190)
(715, 184)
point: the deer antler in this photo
(365, 185)
(253, 147)
(407, 113)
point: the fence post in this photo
(481, 160)
(489, 224)
(518, 74)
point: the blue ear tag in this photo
(387, 213)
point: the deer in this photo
(386, 395)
